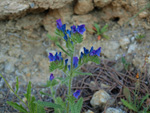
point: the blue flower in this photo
(76, 94)
(69, 67)
(59, 24)
(81, 55)
(65, 37)
(51, 57)
(86, 51)
(51, 77)
(91, 49)
(63, 28)
(98, 51)
(69, 33)
(66, 61)
(56, 57)
(73, 29)
(75, 62)
(80, 29)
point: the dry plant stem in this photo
(13, 91)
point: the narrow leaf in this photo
(79, 105)
(143, 99)
(29, 92)
(63, 49)
(17, 85)
(48, 104)
(127, 94)
(17, 106)
(129, 105)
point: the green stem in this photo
(53, 96)
(13, 91)
(70, 82)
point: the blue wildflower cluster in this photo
(71, 37)
(56, 57)
(75, 30)
(92, 52)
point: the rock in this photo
(124, 42)
(9, 67)
(1, 96)
(114, 110)
(110, 49)
(100, 98)
(143, 14)
(86, 19)
(83, 6)
(52, 4)
(132, 48)
(64, 14)
(101, 3)
(10, 9)
(89, 111)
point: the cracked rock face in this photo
(83, 6)
(17, 8)
(10, 9)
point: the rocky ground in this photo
(24, 45)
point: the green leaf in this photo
(127, 94)
(40, 109)
(53, 66)
(60, 102)
(17, 85)
(94, 59)
(97, 27)
(79, 105)
(143, 99)
(56, 65)
(63, 49)
(48, 104)
(32, 105)
(105, 36)
(129, 105)
(42, 93)
(104, 29)
(59, 33)
(17, 106)
(123, 60)
(28, 94)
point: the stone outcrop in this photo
(83, 6)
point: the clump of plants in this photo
(136, 104)
(100, 32)
(139, 38)
(73, 102)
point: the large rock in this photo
(124, 42)
(52, 4)
(114, 110)
(102, 3)
(100, 98)
(83, 6)
(64, 14)
(10, 9)
(17, 8)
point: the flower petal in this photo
(59, 24)
(51, 57)
(76, 94)
(51, 77)
(75, 62)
